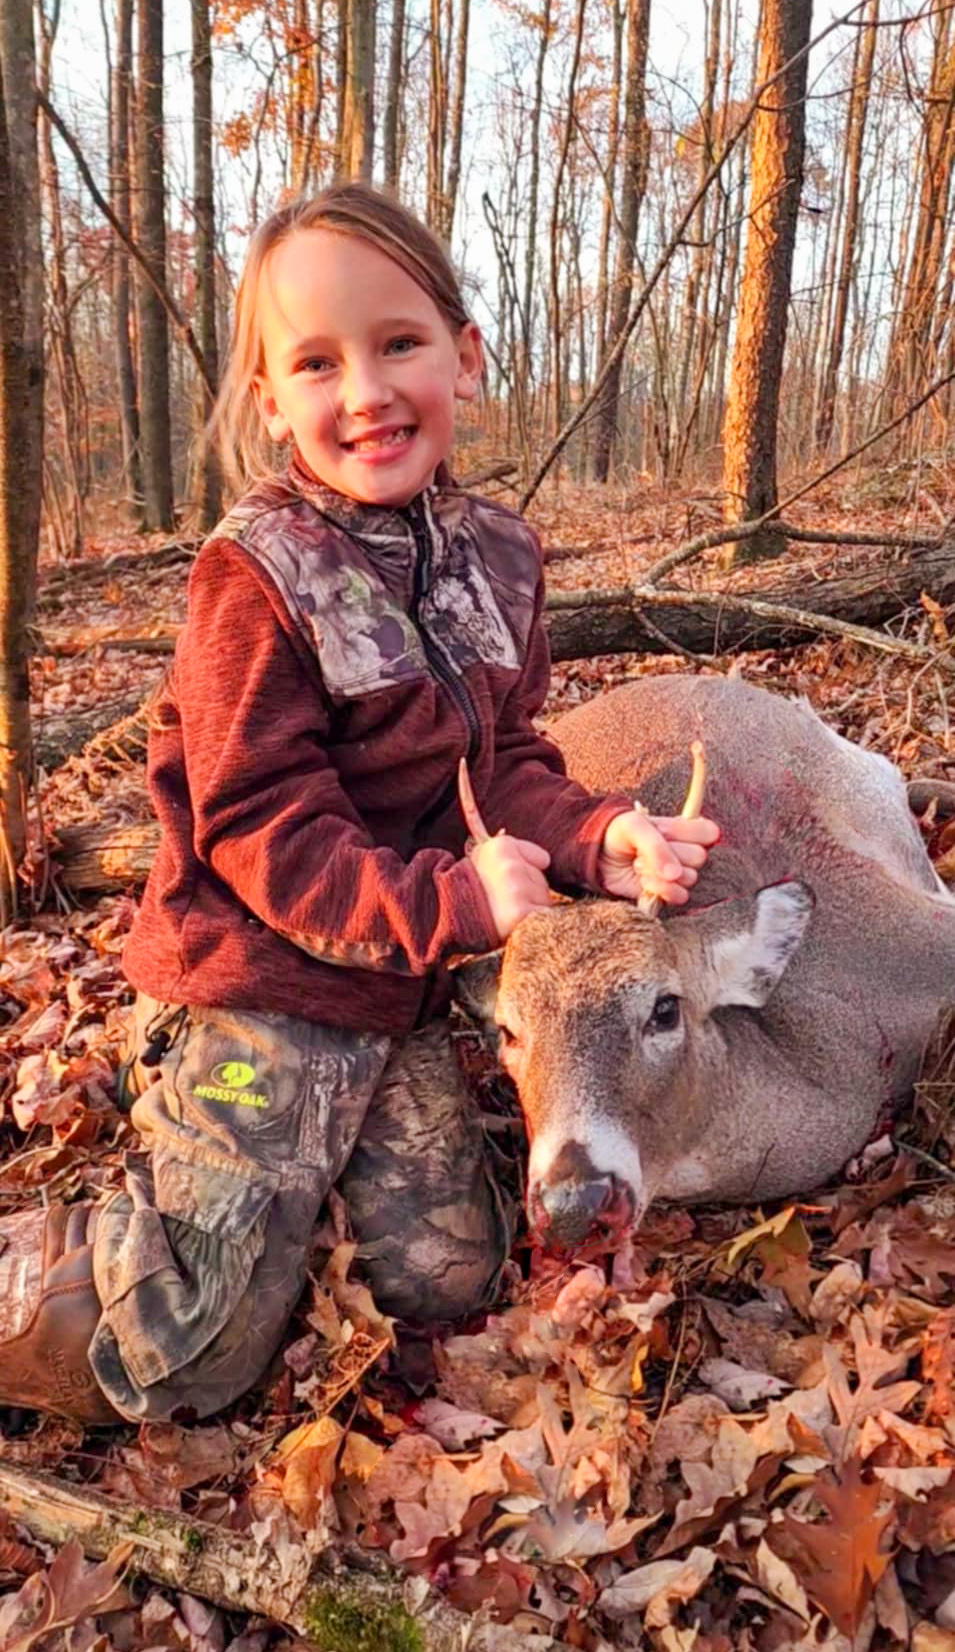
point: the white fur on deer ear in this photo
(748, 942)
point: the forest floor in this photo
(737, 1431)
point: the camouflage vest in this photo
(383, 596)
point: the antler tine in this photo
(694, 793)
(469, 808)
(650, 905)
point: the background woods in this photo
(559, 148)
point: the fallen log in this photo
(585, 623)
(234, 1571)
(103, 859)
(59, 737)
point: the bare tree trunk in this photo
(18, 58)
(358, 114)
(396, 58)
(456, 116)
(858, 109)
(635, 159)
(556, 374)
(910, 355)
(341, 84)
(437, 112)
(697, 326)
(610, 175)
(120, 143)
(153, 326)
(19, 513)
(530, 264)
(752, 414)
(72, 392)
(210, 484)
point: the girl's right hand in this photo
(511, 871)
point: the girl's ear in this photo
(470, 371)
(270, 413)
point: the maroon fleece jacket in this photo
(301, 868)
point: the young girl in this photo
(356, 625)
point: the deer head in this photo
(608, 1021)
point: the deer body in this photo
(748, 1044)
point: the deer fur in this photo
(810, 965)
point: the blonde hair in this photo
(235, 426)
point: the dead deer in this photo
(748, 1044)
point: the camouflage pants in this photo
(247, 1123)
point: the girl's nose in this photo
(365, 387)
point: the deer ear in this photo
(475, 987)
(748, 943)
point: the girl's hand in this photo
(511, 871)
(654, 855)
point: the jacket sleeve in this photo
(271, 817)
(530, 794)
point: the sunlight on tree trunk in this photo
(358, 108)
(778, 143)
(19, 517)
(18, 56)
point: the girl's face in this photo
(361, 369)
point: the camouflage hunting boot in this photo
(49, 1311)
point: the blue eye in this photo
(401, 346)
(314, 364)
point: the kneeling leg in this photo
(431, 1225)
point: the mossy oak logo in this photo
(232, 1081)
(235, 1075)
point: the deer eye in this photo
(665, 1014)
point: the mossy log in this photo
(343, 1610)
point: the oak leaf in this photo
(846, 1555)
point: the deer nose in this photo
(567, 1212)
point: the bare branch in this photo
(159, 288)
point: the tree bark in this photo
(855, 137)
(69, 379)
(18, 59)
(210, 479)
(634, 165)
(911, 357)
(557, 214)
(530, 258)
(456, 117)
(778, 144)
(358, 113)
(153, 325)
(119, 192)
(19, 520)
(396, 58)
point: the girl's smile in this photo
(360, 367)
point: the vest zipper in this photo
(438, 658)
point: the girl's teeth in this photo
(381, 441)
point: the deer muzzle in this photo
(573, 1201)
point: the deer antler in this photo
(650, 905)
(469, 808)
